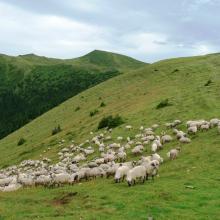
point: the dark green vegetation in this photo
(56, 130)
(31, 85)
(110, 122)
(94, 112)
(163, 104)
(133, 96)
(21, 141)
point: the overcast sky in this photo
(148, 30)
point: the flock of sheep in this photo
(74, 164)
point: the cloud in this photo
(147, 30)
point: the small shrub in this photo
(56, 130)
(77, 108)
(102, 104)
(110, 122)
(21, 141)
(94, 112)
(208, 82)
(163, 103)
(176, 70)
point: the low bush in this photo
(21, 141)
(56, 130)
(94, 112)
(77, 108)
(208, 82)
(163, 103)
(102, 104)
(110, 122)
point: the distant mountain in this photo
(31, 85)
(107, 59)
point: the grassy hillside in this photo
(134, 95)
(31, 85)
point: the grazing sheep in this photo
(157, 157)
(92, 164)
(43, 180)
(154, 147)
(180, 134)
(94, 172)
(138, 172)
(11, 187)
(145, 159)
(192, 130)
(100, 161)
(81, 173)
(60, 178)
(79, 157)
(149, 132)
(108, 138)
(138, 149)
(141, 128)
(205, 127)
(6, 181)
(112, 169)
(151, 169)
(121, 173)
(166, 138)
(128, 127)
(122, 156)
(184, 140)
(127, 146)
(119, 138)
(177, 122)
(173, 153)
(150, 137)
(155, 126)
(26, 180)
(109, 157)
(214, 122)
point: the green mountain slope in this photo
(133, 95)
(31, 85)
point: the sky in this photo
(148, 30)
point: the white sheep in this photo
(151, 168)
(81, 174)
(79, 157)
(155, 126)
(122, 156)
(94, 172)
(192, 130)
(100, 161)
(157, 157)
(12, 187)
(214, 122)
(185, 140)
(109, 157)
(138, 172)
(138, 149)
(150, 137)
(166, 138)
(173, 153)
(128, 127)
(154, 147)
(119, 138)
(205, 127)
(121, 173)
(61, 178)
